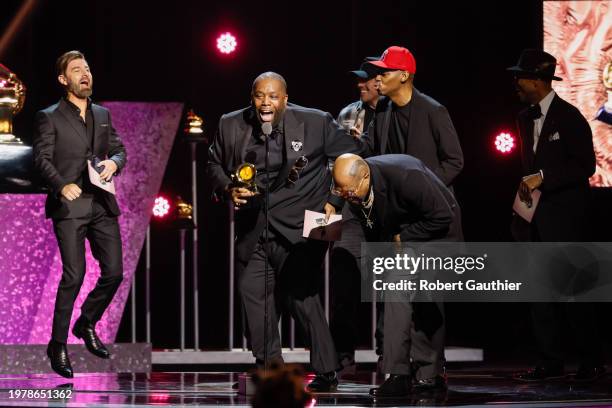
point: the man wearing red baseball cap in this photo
(409, 122)
(396, 58)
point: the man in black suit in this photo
(345, 256)
(558, 159)
(68, 134)
(409, 122)
(301, 144)
(399, 200)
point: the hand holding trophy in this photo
(243, 184)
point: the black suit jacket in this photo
(566, 157)
(61, 151)
(321, 140)
(432, 137)
(410, 200)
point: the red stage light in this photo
(159, 399)
(226, 43)
(505, 143)
(161, 208)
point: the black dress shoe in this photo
(58, 355)
(346, 367)
(540, 374)
(379, 366)
(327, 382)
(85, 330)
(274, 363)
(396, 386)
(433, 384)
(589, 373)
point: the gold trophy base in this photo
(9, 138)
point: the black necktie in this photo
(275, 132)
(534, 112)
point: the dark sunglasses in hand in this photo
(294, 173)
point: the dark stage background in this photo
(164, 51)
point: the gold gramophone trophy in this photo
(184, 215)
(184, 210)
(12, 98)
(194, 123)
(244, 176)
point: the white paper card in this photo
(521, 207)
(94, 177)
(315, 226)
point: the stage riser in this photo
(32, 359)
(302, 356)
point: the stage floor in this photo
(172, 389)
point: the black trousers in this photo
(294, 280)
(102, 232)
(553, 322)
(414, 332)
(414, 337)
(345, 286)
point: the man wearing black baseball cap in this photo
(558, 159)
(409, 122)
(356, 117)
(346, 254)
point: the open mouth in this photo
(84, 82)
(266, 115)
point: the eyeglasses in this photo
(349, 194)
(294, 173)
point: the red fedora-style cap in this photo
(396, 58)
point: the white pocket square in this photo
(554, 137)
(103, 124)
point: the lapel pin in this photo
(296, 145)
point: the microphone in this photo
(266, 128)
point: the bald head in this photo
(269, 97)
(348, 166)
(351, 175)
(270, 76)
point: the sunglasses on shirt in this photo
(294, 173)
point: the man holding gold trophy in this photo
(300, 143)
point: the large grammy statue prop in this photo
(15, 157)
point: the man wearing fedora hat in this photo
(410, 122)
(558, 159)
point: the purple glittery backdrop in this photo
(30, 266)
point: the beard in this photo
(278, 116)
(78, 91)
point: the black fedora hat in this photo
(366, 70)
(535, 64)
